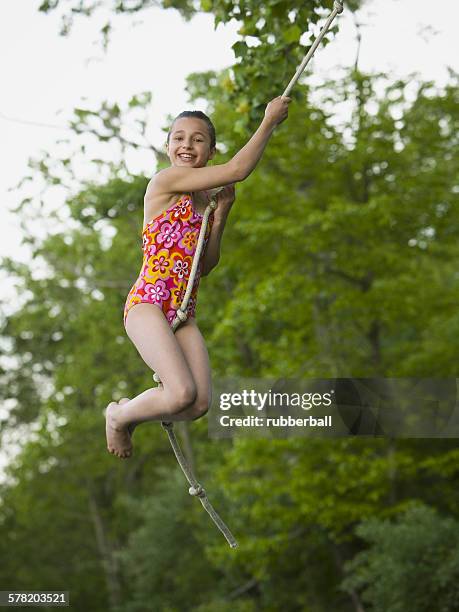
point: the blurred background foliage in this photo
(339, 259)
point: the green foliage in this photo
(411, 565)
(69, 303)
(157, 566)
(356, 217)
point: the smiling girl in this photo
(174, 204)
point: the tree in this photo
(266, 57)
(410, 565)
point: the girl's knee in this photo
(200, 407)
(182, 397)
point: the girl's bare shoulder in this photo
(156, 200)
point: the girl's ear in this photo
(213, 152)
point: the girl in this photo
(174, 204)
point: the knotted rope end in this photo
(181, 315)
(197, 491)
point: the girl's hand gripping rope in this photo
(225, 200)
(277, 110)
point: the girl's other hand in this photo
(225, 199)
(277, 110)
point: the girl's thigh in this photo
(194, 349)
(148, 329)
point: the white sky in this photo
(44, 76)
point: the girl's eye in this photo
(181, 138)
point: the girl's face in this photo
(189, 143)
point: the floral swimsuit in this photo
(169, 244)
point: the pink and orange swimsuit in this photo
(169, 244)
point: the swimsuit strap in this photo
(163, 213)
(209, 199)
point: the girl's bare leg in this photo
(193, 346)
(194, 349)
(149, 330)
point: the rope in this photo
(337, 10)
(196, 490)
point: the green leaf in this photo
(292, 34)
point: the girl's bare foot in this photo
(118, 438)
(131, 426)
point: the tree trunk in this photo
(374, 339)
(108, 560)
(358, 606)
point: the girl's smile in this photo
(189, 143)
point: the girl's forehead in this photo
(190, 124)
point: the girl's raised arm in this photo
(177, 179)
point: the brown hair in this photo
(198, 115)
